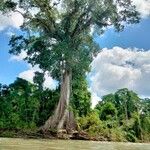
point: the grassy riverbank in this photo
(34, 144)
(28, 134)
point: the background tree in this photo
(108, 111)
(81, 97)
(132, 114)
(127, 102)
(19, 105)
(47, 98)
(22, 108)
(59, 40)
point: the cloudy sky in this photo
(123, 62)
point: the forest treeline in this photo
(121, 116)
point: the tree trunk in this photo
(63, 117)
(126, 111)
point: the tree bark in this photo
(63, 117)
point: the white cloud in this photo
(58, 5)
(49, 81)
(19, 57)
(17, 19)
(95, 99)
(27, 75)
(30, 73)
(119, 68)
(143, 6)
(12, 19)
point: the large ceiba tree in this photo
(57, 37)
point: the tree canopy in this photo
(58, 35)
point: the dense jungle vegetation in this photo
(121, 116)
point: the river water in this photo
(30, 144)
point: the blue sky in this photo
(118, 49)
(9, 69)
(137, 35)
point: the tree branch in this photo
(80, 20)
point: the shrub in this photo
(131, 137)
(91, 124)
